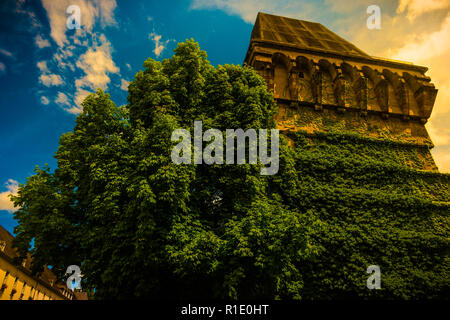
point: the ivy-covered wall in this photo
(377, 209)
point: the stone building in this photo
(322, 82)
(17, 282)
(362, 160)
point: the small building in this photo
(17, 281)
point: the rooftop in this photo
(302, 34)
(313, 37)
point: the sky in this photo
(47, 67)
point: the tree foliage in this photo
(141, 227)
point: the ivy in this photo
(140, 226)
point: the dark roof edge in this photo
(356, 58)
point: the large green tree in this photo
(139, 225)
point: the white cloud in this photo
(5, 203)
(79, 97)
(46, 78)
(433, 50)
(62, 99)
(415, 8)
(96, 64)
(6, 53)
(41, 42)
(427, 46)
(24, 7)
(63, 57)
(45, 100)
(248, 9)
(42, 65)
(106, 8)
(124, 84)
(89, 10)
(51, 80)
(442, 158)
(159, 45)
(85, 50)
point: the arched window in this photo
(304, 69)
(328, 78)
(281, 69)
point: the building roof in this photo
(306, 36)
(6, 239)
(301, 34)
(46, 277)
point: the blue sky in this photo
(46, 69)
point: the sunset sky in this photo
(46, 70)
